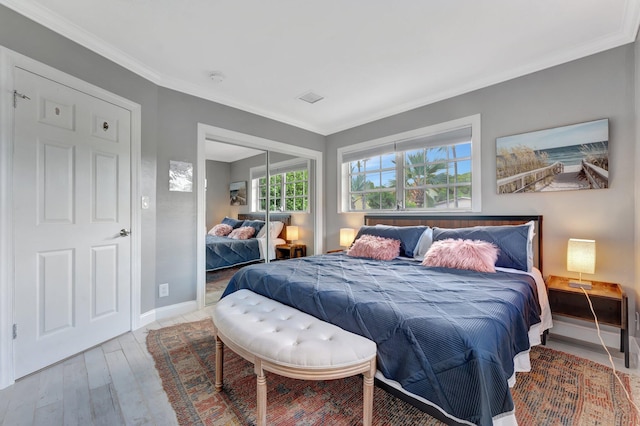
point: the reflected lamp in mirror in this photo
(581, 258)
(346, 236)
(292, 233)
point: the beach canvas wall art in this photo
(560, 159)
(238, 193)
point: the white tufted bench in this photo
(283, 340)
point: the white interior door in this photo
(71, 197)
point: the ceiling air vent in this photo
(311, 97)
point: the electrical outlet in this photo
(163, 290)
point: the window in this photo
(433, 168)
(288, 187)
(373, 182)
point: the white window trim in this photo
(259, 171)
(476, 150)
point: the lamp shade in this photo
(581, 256)
(346, 236)
(292, 232)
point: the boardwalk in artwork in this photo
(566, 180)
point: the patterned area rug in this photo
(561, 389)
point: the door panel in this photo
(56, 176)
(55, 291)
(104, 280)
(56, 113)
(105, 187)
(71, 199)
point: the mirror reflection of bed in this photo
(229, 167)
(225, 254)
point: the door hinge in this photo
(15, 331)
(17, 95)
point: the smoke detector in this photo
(311, 97)
(217, 77)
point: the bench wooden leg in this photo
(261, 416)
(367, 395)
(219, 358)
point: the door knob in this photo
(124, 232)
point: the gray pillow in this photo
(234, 223)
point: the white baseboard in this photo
(588, 333)
(167, 312)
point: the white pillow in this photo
(274, 230)
(424, 244)
(532, 234)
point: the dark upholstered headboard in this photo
(458, 221)
(273, 217)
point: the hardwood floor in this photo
(113, 384)
(116, 383)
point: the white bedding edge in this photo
(545, 318)
(272, 246)
(521, 362)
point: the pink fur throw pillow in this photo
(221, 230)
(242, 233)
(475, 255)
(374, 247)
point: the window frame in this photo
(365, 148)
(281, 168)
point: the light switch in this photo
(145, 202)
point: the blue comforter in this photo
(223, 251)
(446, 335)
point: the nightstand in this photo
(290, 251)
(609, 303)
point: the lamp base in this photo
(580, 284)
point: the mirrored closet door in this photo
(267, 190)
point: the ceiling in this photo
(227, 153)
(368, 58)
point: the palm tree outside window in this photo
(432, 172)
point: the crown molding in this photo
(626, 35)
(204, 93)
(49, 19)
(57, 24)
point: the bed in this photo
(224, 252)
(449, 340)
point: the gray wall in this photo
(218, 179)
(636, 307)
(169, 132)
(240, 171)
(599, 86)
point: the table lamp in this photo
(581, 257)
(346, 236)
(292, 233)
